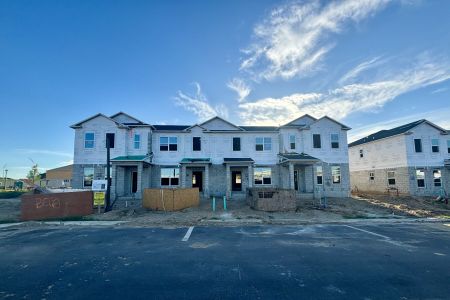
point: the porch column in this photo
(250, 176)
(140, 169)
(291, 176)
(183, 176)
(113, 182)
(228, 179)
(206, 181)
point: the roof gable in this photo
(394, 131)
(344, 127)
(218, 123)
(125, 118)
(304, 120)
(79, 124)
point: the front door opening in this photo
(197, 180)
(296, 180)
(236, 181)
(133, 182)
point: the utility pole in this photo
(109, 145)
(6, 176)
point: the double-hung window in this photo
(319, 175)
(371, 176)
(137, 141)
(89, 140)
(170, 176)
(391, 177)
(420, 177)
(434, 145)
(263, 144)
(88, 177)
(292, 142)
(263, 176)
(361, 153)
(437, 178)
(336, 174)
(418, 145)
(334, 140)
(168, 143)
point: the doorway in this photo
(197, 180)
(134, 182)
(296, 180)
(236, 181)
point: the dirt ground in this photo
(238, 212)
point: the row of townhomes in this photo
(308, 155)
(412, 159)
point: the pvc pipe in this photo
(214, 204)
(224, 202)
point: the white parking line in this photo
(369, 232)
(188, 234)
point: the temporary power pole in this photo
(6, 176)
(109, 145)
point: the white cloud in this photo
(45, 152)
(292, 41)
(348, 99)
(362, 67)
(65, 163)
(240, 87)
(440, 90)
(199, 105)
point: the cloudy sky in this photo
(371, 64)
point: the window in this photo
(334, 140)
(434, 145)
(316, 141)
(170, 176)
(263, 176)
(391, 177)
(88, 177)
(263, 144)
(196, 143)
(292, 142)
(236, 144)
(137, 141)
(319, 175)
(168, 143)
(361, 153)
(89, 140)
(420, 177)
(336, 174)
(110, 137)
(437, 177)
(371, 176)
(418, 145)
(448, 146)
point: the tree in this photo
(33, 174)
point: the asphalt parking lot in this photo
(383, 261)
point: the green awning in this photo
(131, 158)
(187, 160)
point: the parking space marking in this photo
(188, 234)
(369, 232)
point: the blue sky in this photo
(368, 63)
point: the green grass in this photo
(10, 195)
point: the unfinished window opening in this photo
(420, 177)
(418, 145)
(317, 143)
(361, 153)
(236, 144)
(391, 177)
(196, 143)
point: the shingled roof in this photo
(382, 134)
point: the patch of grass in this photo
(10, 195)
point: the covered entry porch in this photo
(130, 175)
(239, 176)
(300, 170)
(195, 174)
